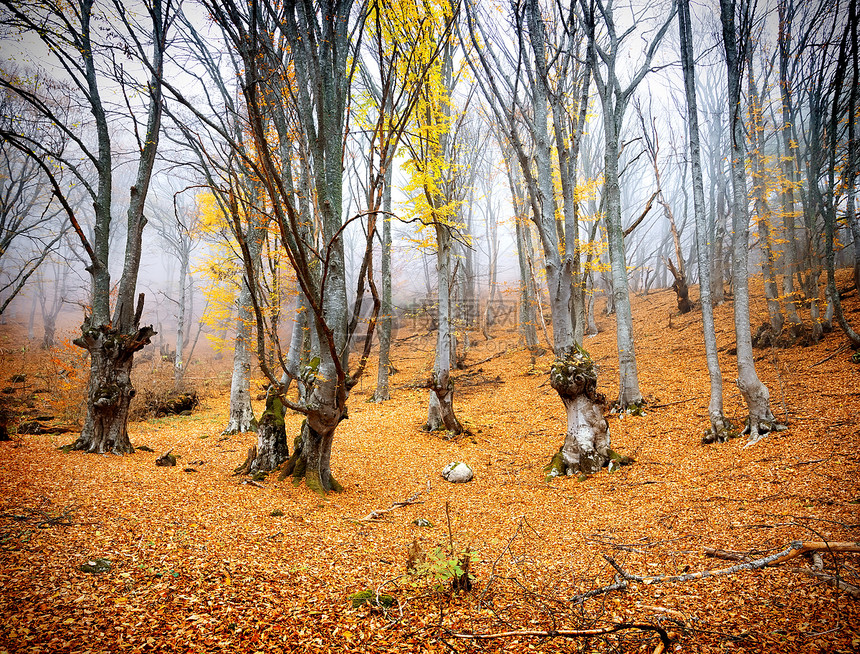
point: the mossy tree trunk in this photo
(272, 448)
(311, 460)
(110, 391)
(586, 446)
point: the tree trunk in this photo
(441, 384)
(760, 420)
(719, 430)
(109, 391)
(591, 329)
(763, 213)
(718, 263)
(679, 285)
(382, 392)
(31, 334)
(272, 449)
(790, 176)
(836, 117)
(492, 227)
(587, 443)
(527, 316)
(181, 337)
(629, 394)
(50, 327)
(241, 413)
(310, 461)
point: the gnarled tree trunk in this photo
(272, 449)
(109, 391)
(311, 458)
(587, 444)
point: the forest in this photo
(452, 325)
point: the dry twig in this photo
(377, 514)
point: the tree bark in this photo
(441, 385)
(241, 417)
(382, 392)
(109, 390)
(587, 443)
(760, 420)
(272, 449)
(719, 429)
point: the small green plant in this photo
(442, 567)
(446, 564)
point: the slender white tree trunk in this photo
(760, 420)
(719, 429)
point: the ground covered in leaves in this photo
(198, 561)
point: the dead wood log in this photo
(166, 459)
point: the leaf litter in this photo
(200, 562)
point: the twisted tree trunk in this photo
(110, 391)
(586, 444)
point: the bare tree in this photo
(614, 98)
(735, 17)
(31, 224)
(719, 425)
(516, 85)
(72, 33)
(177, 227)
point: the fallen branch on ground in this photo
(838, 350)
(41, 519)
(489, 358)
(830, 580)
(728, 555)
(569, 633)
(379, 513)
(795, 549)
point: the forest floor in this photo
(200, 561)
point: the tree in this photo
(71, 33)
(178, 228)
(719, 426)
(839, 120)
(435, 188)
(297, 62)
(735, 17)
(614, 99)
(31, 226)
(402, 47)
(520, 102)
(760, 184)
(651, 142)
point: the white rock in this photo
(457, 472)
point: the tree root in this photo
(758, 429)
